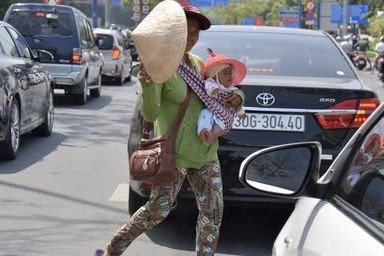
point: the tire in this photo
(135, 131)
(9, 147)
(96, 92)
(45, 129)
(135, 201)
(120, 79)
(129, 78)
(81, 98)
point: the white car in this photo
(341, 213)
(116, 53)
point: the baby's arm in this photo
(211, 87)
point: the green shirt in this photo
(162, 102)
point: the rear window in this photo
(105, 42)
(39, 23)
(278, 54)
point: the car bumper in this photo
(111, 69)
(64, 75)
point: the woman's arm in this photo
(150, 97)
(235, 99)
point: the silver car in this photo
(116, 54)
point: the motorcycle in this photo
(359, 59)
(380, 67)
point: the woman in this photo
(194, 159)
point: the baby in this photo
(221, 74)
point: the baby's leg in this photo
(204, 135)
(204, 124)
(214, 134)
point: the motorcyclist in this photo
(346, 44)
(379, 48)
(360, 49)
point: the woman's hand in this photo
(143, 74)
(233, 100)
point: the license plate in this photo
(271, 122)
(361, 61)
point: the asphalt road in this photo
(67, 194)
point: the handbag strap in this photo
(148, 126)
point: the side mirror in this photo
(135, 70)
(130, 45)
(282, 170)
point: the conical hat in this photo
(161, 39)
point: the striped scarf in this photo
(215, 104)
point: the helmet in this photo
(382, 38)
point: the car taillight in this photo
(76, 56)
(115, 53)
(40, 14)
(348, 114)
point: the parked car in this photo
(116, 54)
(342, 213)
(300, 86)
(66, 33)
(26, 92)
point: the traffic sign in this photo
(208, 3)
(310, 5)
(356, 13)
(289, 18)
(116, 2)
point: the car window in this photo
(105, 41)
(120, 40)
(278, 54)
(89, 32)
(20, 44)
(39, 23)
(83, 31)
(7, 43)
(363, 184)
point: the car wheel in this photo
(135, 201)
(95, 92)
(81, 98)
(45, 129)
(129, 78)
(9, 147)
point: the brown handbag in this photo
(153, 162)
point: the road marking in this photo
(120, 194)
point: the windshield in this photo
(41, 23)
(278, 54)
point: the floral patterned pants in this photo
(207, 186)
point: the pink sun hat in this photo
(218, 62)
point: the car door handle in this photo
(287, 241)
(17, 71)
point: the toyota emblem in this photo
(265, 99)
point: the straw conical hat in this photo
(161, 39)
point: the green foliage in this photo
(376, 25)
(4, 7)
(237, 10)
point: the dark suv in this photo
(67, 34)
